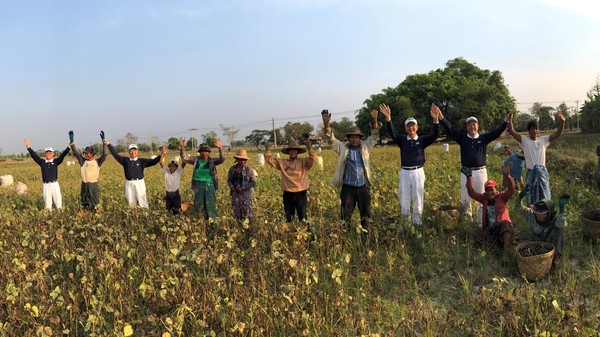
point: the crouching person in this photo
(544, 223)
(496, 226)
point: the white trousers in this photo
(479, 178)
(135, 193)
(411, 188)
(51, 193)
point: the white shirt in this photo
(535, 150)
(172, 180)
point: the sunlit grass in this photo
(154, 273)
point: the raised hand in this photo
(435, 112)
(506, 169)
(181, 143)
(561, 116)
(524, 191)
(26, 142)
(218, 143)
(385, 111)
(374, 122)
(326, 119)
(562, 202)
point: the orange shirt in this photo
(294, 173)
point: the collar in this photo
(49, 161)
(133, 159)
(476, 136)
(408, 137)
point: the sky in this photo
(163, 68)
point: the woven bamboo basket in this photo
(535, 267)
(591, 228)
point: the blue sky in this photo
(163, 67)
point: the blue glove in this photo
(562, 203)
(102, 135)
(71, 136)
(466, 171)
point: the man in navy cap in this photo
(473, 152)
(411, 186)
(133, 167)
(49, 166)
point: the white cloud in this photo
(589, 8)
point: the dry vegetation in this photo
(128, 272)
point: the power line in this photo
(313, 118)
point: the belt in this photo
(477, 168)
(50, 182)
(135, 179)
(410, 168)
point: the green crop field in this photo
(130, 272)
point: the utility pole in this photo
(193, 138)
(274, 134)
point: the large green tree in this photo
(258, 137)
(173, 143)
(590, 111)
(544, 114)
(342, 127)
(296, 131)
(461, 89)
(209, 138)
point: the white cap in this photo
(132, 146)
(48, 149)
(410, 120)
(472, 119)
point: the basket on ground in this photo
(534, 259)
(590, 222)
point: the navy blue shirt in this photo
(473, 151)
(134, 169)
(49, 168)
(412, 151)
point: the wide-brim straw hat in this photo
(354, 132)
(241, 154)
(293, 146)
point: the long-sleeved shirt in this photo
(500, 202)
(294, 173)
(557, 220)
(90, 169)
(343, 150)
(172, 180)
(49, 167)
(473, 150)
(133, 168)
(412, 150)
